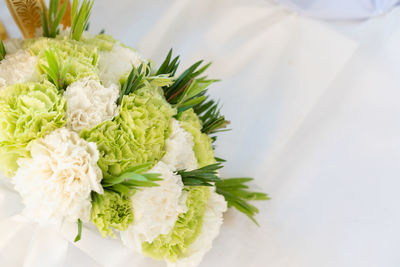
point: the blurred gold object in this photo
(27, 15)
(3, 32)
(66, 20)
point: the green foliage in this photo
(234, 190)
(204, 176)
(131, 179)
(188, 89)
(134, 81)
(212, 120)
(236, 193)
(52, 19)
(168, 67)
(79, 235)
(80, 14)
(56, 72)
(2, 50)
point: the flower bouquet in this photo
(90, 132)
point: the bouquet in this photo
(90, 132)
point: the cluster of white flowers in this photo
(89, 103)
(18, 67)
(57, 181)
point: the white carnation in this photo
(179, 149)
(89, 103)
(116, 63)
(56, 182)
(213, 220)
(19, 67)
(156, 209)
(13, 45)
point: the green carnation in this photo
(202, 142)
(103, 42)
(82, 58)
(111, 210)
(187, 228)
(28, 111)
(136, 136)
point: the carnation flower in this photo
(13, 45)
(27, 111)
(202, 143)
(82, 58)
(57, 181)
(111, 210)
(19, 67)
(179, 153)
(103, 42)
(212, 221)
(117, 63)
(137, 135)
(187, 228)
(156, 209)
(89, 104)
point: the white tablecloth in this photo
(315, 116)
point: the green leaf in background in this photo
(52, 18)
(80, 13)
(2, 50)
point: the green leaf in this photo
(202, 176)
(236, 193)
(80, 13)
(131, 179)
(56, 73)
(168, 67)
(78, 236)
(134, 81)
(52, 18)
(209, 114)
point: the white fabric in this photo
(314, 111)
(341, 9)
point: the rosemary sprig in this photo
(204, 176)
(80, 14)
(134, 81)
(2, 50)
(131, 179)
(236, 193)
(234, 190)
(188, 90)
(78, 236)
(52, 18)
(56, 72)
(169, 67)
(209, 114)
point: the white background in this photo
(316, 120)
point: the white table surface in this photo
(315, 115)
